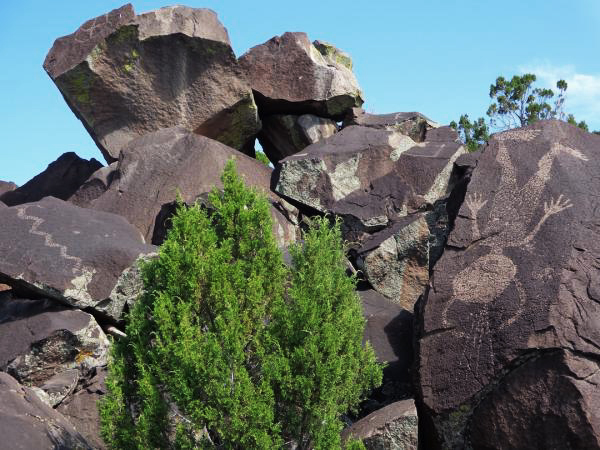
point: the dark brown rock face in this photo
(96, 185)
(74, 255)
(509, 342)
(153, 168)
(412, 124)
(81, 408)
(292, 76)
(394, 426)
(61, 179)
(48, 346)
(27, 423)
(284, 135)
(125, 76)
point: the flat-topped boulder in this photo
(60, 179)
(291, 75)
(125, 75)
(154, 168)
(412, 124)
(508, 336)
(284, 134)
(57, 250)
(26, 422)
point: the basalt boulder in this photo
(96, 185)
(26, 422)
(125, 75)
(60, 251)
(394, 426)
(291, 75)
(60, 179)
(412, 124)
(48, 346)
(154, 168)
(508, 339)
(284, 135)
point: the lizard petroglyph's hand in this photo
(475, 202)
(554, 207)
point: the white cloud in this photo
(582, 98)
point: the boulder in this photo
(393, 427)
(27, 423)
(289, 75)
(60, 179)
(125, 75)
(60, 251)
(284, 135)
(508, 339)
(370, 177)
(6, 186)
(46, 345)
(412, 124)
(81, 408)
(389, 329)
(154, 168)
(96, 185)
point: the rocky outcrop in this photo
(387, 189)
(6, 186)
(284, 135)
(26, 422)
(412, 124)
(48, 346)
(289, 75)
(509, 347)
(60, 179)
(154, 168)
(67, 253)
(125, 75)
(96, 185)
(393, 427)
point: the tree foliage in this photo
(473, 134)
(227, 347)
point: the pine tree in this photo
(219, 353)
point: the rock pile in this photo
(496, 252)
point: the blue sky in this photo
(435, 57)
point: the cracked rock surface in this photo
(508, 335)
(60, 251)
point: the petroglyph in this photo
(510, 219)
(82, 275)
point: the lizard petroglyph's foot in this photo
(475, 202)
(554, 207)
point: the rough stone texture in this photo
(153, 168)
(396, 260)
(509, 343)
(28, 423)
(413, 124)
(389, 329)
(81, 408)
(370, 177)
(289, 75)
(45, 345)
(284, 135)
(393, 427)
(96, 185)
(74, 255)
(61, 179)
(6, 186)
(125, 76)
